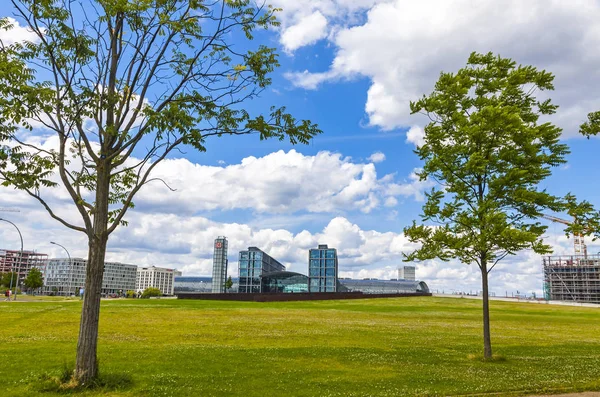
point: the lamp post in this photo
(20, 259)
(70, 264)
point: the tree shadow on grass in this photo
(64, 383)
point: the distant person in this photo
(7, 295)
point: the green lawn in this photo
(372, 347)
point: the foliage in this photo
(488, 152)
(131, 294)
(151, 291)
(110, 79)
(591, 126)
(6, 277)
(34, 279)
(363, 347)
(228, 283)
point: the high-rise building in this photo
(66, 276)
(253, 264)
(219, 276)
(323, 269)
(406, 273)
(21, 262)
(156, 277)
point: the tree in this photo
(34, 279)
(114, 79)
(228, 283)
(151, 291)
(6, 277)
(489, 154)
(591, 126)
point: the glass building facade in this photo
(192, 284)
(284, 282)
(323, 269)
(252, 264)
(370, 286)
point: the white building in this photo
(66, 276)
(406, 273)
(156, 277)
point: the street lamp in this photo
(70, 264)
(20, 259)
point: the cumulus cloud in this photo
(16, 34)
(307, 30)
(415, 135)
(280, 182)
(402, 46)
(376, 157)
(307, 21)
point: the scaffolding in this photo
(572, 278)
(21, 262)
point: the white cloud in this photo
(391, 202)
(376, 157)
(413, 187)
(308, 30)
(402, 47)
(280, 182)
(17, 34)
(415, 135)
(306, 21)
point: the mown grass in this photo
(375, 347)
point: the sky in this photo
(352, 67)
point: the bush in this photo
(131, 294)
(151, 291)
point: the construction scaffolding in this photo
(21, 262)
(572, 278)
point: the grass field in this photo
(374, 347)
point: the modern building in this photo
(383, 286)
(21, 262)
(67, 276)
(284, 282)
(323, 269)
(156, 277)
(203, 285)
(219, 276)
(406, 273)
(253, 264)
(572, 278)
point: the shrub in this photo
(151, 291)
(131, 294)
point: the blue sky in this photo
(350, 66)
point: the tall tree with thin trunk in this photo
(489, 153)
(122, 85)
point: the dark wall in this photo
(255, 297)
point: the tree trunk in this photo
(86, 367)
(487, 340)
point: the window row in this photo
(322, 263)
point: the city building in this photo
(572, 278)
(203, 285)
(291, 282)
(219, 276)
(156, 277)
(21, 263)
(253, 264)
(406, 273)
(66, 276)
(323, 269)
(371, 286)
